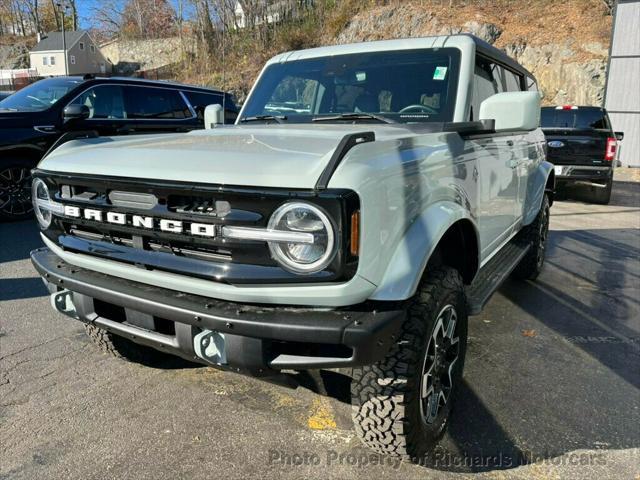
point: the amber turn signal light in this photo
(355, 233)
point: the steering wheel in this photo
(417, 108)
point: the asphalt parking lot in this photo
(551, 385)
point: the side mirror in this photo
(619, 136)
(512, 111)
(76, 112)
(213, 115)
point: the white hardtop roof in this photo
(459, 41)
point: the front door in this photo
(496, 176)
(497, 163)
(107, 114)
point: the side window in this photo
(532, 86)
(484, 86)
(150, 103)
(489, 79)
(512, 81)
(104, 102)
(506, 80)
(199, 101)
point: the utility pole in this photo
(64, 38)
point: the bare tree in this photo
(74, 13)
(32, 7)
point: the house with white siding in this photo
(82, 53)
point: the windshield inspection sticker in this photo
(440, 73)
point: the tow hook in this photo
(63, 302)
(210, 346)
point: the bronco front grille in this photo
(206, 254)
(211, 207)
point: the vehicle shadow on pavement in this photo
(17, 239)
(324, 382)
(19, 288)
(164, 361)
(584, 352)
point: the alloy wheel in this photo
(442, 354)
(542, 237)
(15, 192)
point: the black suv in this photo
(583, 148)
(33, 119)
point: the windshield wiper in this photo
(264, 118)
(354, 116)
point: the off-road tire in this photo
(386, 396)
(10, 168)
(123, 348)
(601, 196)
(536, 233)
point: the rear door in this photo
(200, 100)
(157, 110)
(576, 136)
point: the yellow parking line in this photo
(321, 417)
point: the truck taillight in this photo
(610, 152)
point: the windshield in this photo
(39, 96)
(400, 86)
(578, 118)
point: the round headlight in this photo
(40, 195)
(303, 218)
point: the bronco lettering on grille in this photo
(141, 221)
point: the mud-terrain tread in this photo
(528, 268)
(379, 392)
(122, 348)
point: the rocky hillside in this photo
(564, 43)
(14, 52)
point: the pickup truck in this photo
(582, 147)
(368, 200)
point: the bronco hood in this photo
(291, 156)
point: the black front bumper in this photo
(258, 338)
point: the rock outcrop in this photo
(14, 56)
(130, 56)
(567, 72)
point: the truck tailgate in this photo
(576, 146)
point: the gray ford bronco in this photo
(368, 200)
